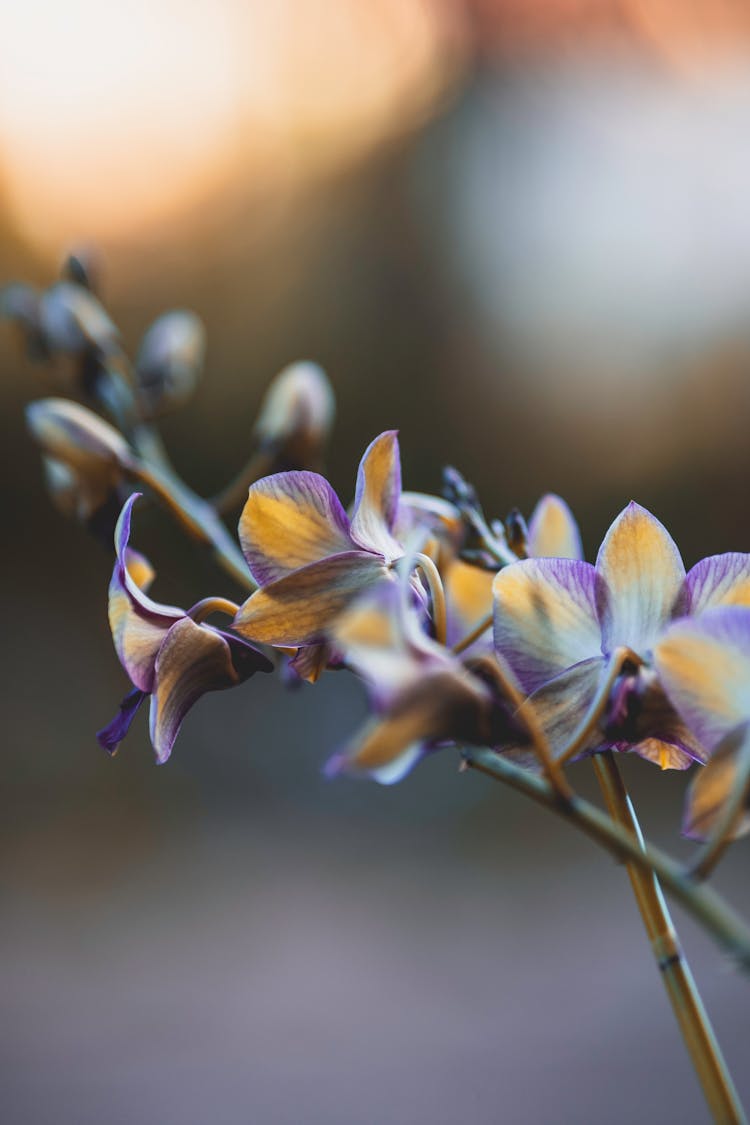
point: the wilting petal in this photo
(301, 608)
(289, 521)
(377, 496)
(443, 706)
(714, 785)
(139, 568)
(545, 617)
(468, 599)
(560, 707)
(193, 660)
(704, 666)
(110, 737)
(718, 580)
(138, 624)
(553, 531)
(644, 574)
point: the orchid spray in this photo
(490, 639)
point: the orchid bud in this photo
(77, 437)
(516, 533)
(82, 496)
(78, 334)
(83, 267)
(170, 360)
(296, 415)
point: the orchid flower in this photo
(558, 622)
(309, 558)
(704, 666)
(421, 693)
(167, 655)
(552, 531)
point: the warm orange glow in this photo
(112, 115)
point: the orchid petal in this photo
(431, 514)
(301, 608)
(138, 624)
(443, 706)
(644, 574)
(193, 660)
(704, 666)
(377, 496)
(289, 521)
(545, 617)
(468, 598)
(110, 737)
(560, 706)
(714, 785)
(718, 580)
(553, 531)
(666, 755)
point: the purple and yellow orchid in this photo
(559, 622)
(167, 655)
(309, 558)
(422, 695)
(704, 666)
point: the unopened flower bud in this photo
(77, 437)
(296, 415)
(170, 360)
(516, 533)
(82, 266)
(78, 334)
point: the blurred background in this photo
(517, 230)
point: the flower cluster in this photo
(467, 631)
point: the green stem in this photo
(702, 1045)
(708, 908)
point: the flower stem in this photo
(474, 635)
(695, 1026)
(708, 908)
(434, 582)
(197, 517)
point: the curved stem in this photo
(506, 682)
(437, 595)
(599, 704)
(703, 903)
(692, 1018)
(474, 635)
(206, 606)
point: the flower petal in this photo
(545, 617)
(666, 755)
(301, 608)
(714, 784)
(289, 521)
(644, 574)
(718, 580)
(377, 496)
(442, 706)
(192, 660)
(553, 531)
(468, 599)
(704, 666)
(138, 624)
(110, 737)
(560, 706)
